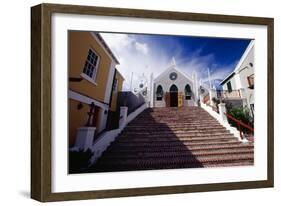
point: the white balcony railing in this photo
(229, 94)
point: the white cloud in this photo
(196, 63)
(141, 47)
(135, 57)
(117, 41)
(140, 58)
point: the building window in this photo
(229, 87)
(251, 81)
(159, 93)
(91, 64)
(187, 92)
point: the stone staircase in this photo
(168, 138)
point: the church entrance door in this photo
(174, 96)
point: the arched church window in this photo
(187, 91)
(159, 93)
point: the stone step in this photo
(195, 118)
(110, 168)
(168, 138)
(172, 134)
(176, 126)
(173, 129)
(177, 131)
(168, 143)
(176, 154)
(157, 162)
(174, 122)
(175, 116)
(182, 147)
(168, 117)
(231, 164)
(183, 139)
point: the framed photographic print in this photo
(130, 102)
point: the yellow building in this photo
(93, 79)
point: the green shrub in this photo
(242, 114)
(79, 160)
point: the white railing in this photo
(105, 139)
(222, 119)
(102, 143)
(135, 113)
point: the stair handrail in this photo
(239, 124)
(214, 108)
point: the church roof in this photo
(170, 68)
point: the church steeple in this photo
(173, 63)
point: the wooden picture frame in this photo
(41, 96)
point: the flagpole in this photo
(209, 77)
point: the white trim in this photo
(169, 69)
(242, 69)
(86, 77)
(135, 113)
(120, 74)
(102, 46)
(244, 56)
(227, 78)
(102, 143)
(78, 97)
(110, 79)
(97, 67)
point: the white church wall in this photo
(188, 103)
(160, 103)
(181, 81)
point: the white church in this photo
(173, 88)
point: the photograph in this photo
(139, 101)
(133, 102)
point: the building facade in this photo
(93, 80)
(239, 84)
(173, 88)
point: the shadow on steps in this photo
(138, 148)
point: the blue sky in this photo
(146, 54)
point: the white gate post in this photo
(222, 111)
(123, 117)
